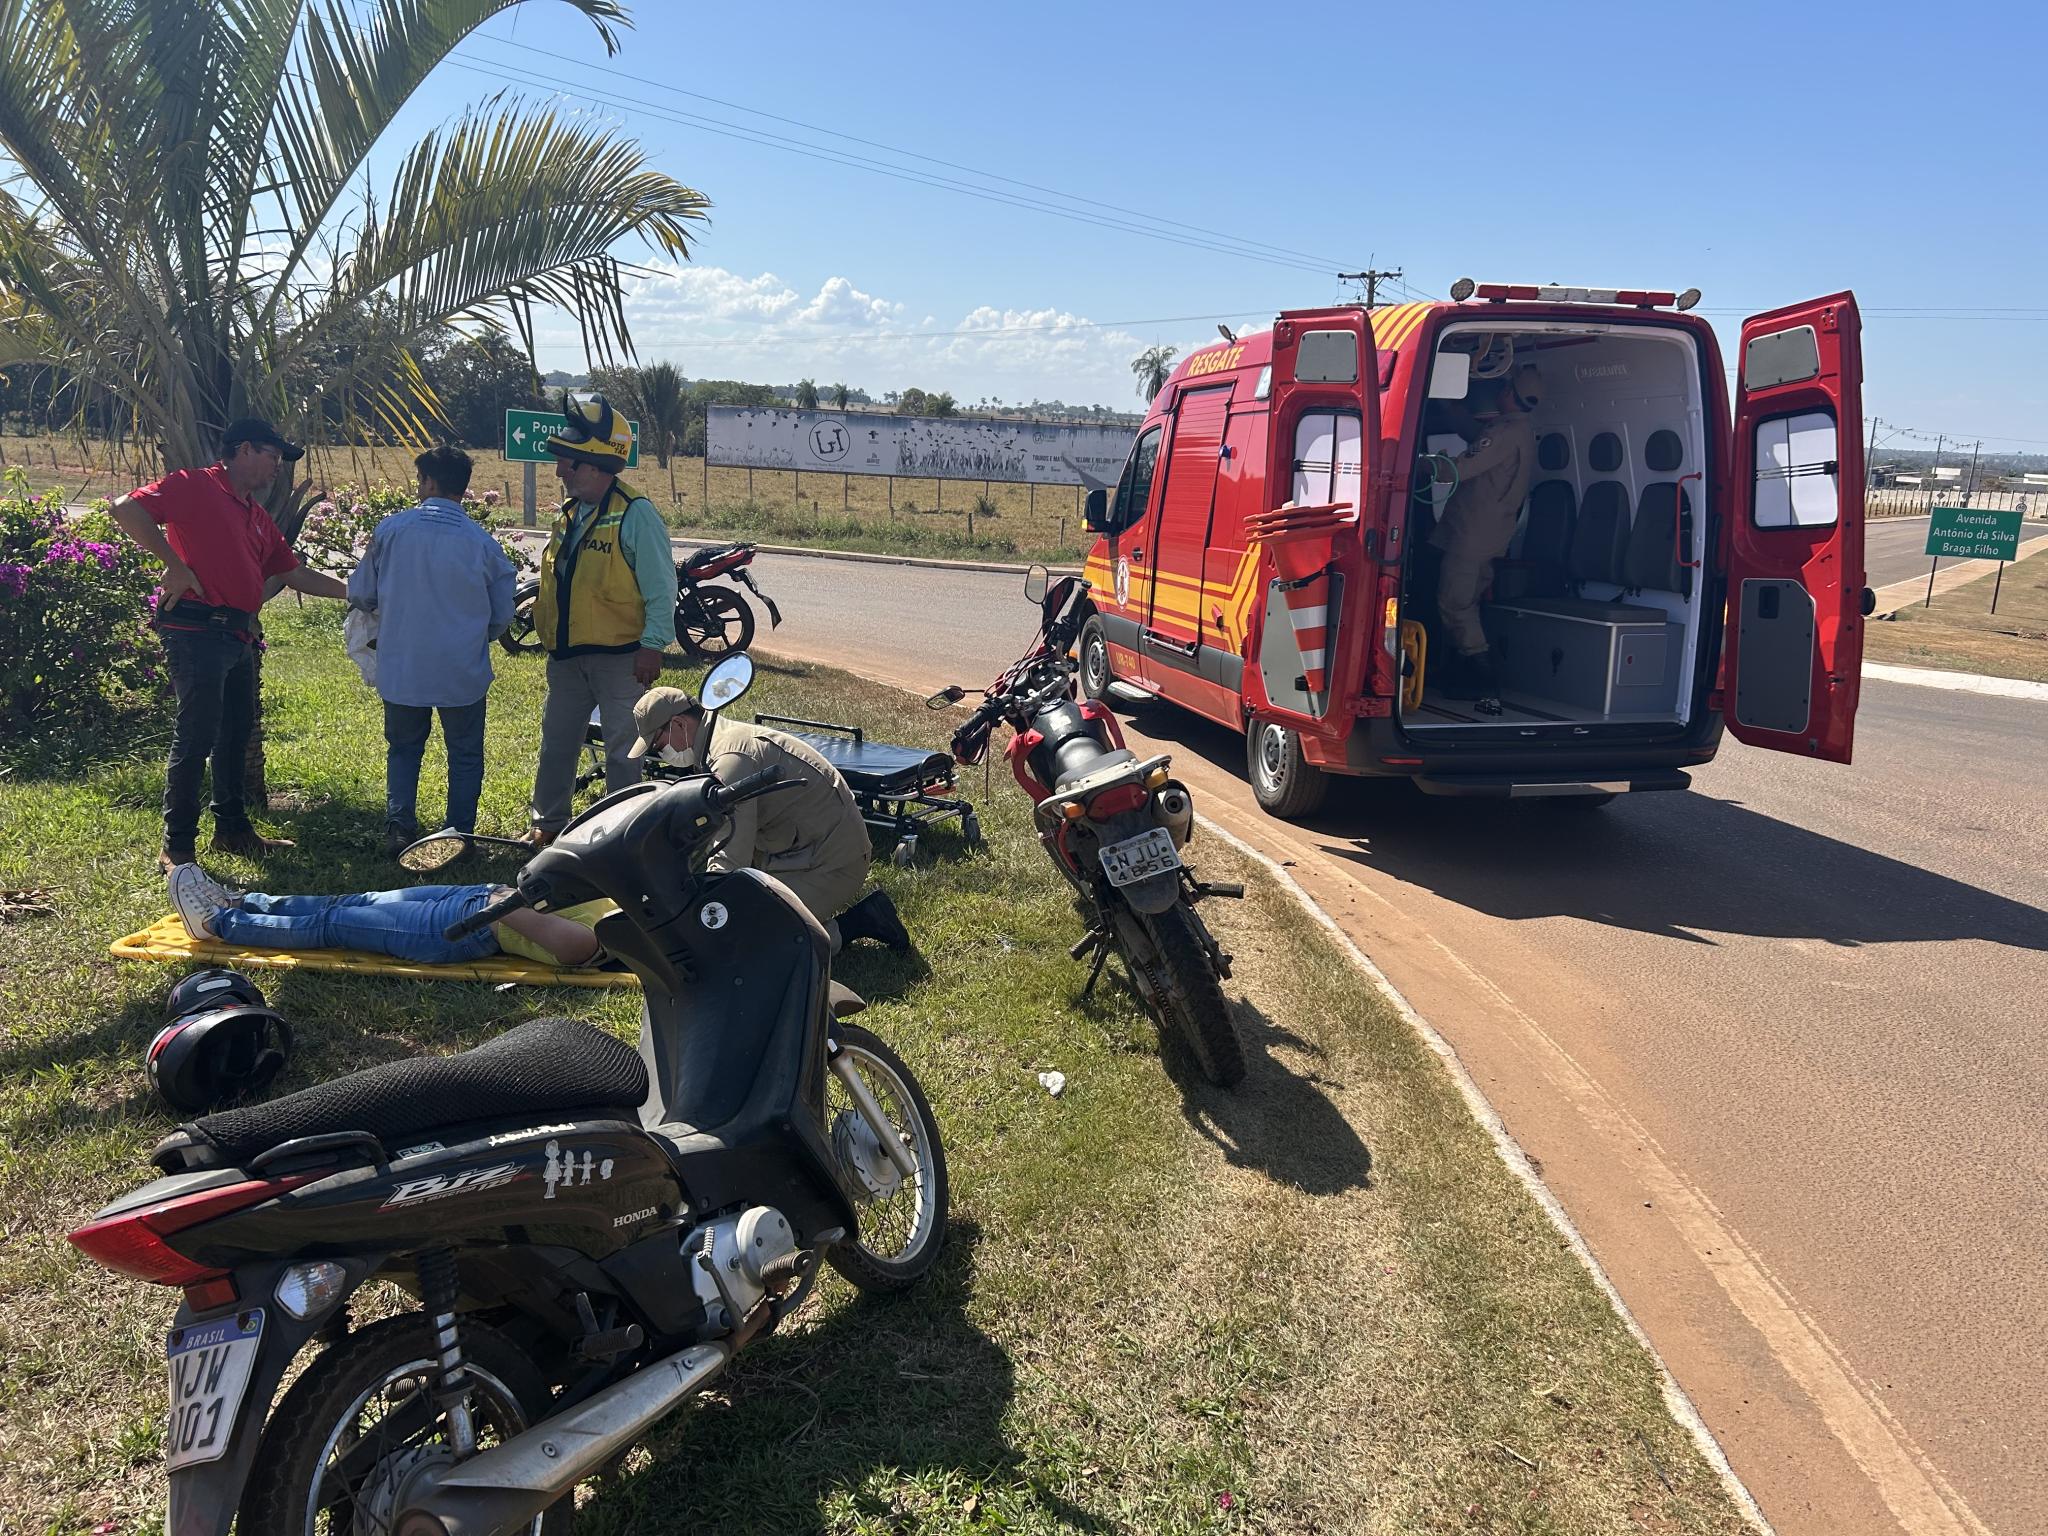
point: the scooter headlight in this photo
(307, 1290)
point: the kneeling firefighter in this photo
(811, 838)
(1478, 523)
(606, 609)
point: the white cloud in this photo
(713, 323)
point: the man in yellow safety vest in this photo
(606, 609)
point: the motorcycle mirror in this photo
(946, 697)
(725, 683)
(1035, 581)
(437, 850)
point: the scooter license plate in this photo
(1139, 858)
(209, 1366)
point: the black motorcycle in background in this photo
(1113, 825)
(591, 1233)
(710, 621)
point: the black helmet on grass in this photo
(218, 1056)
(214, 987)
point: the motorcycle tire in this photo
(1096, 675)
(519, 637)
(1191, 995)
(712, 622)
(321, 1419)
(869, 1259)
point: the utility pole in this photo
(1870, 459)
(1970, 482)
(1372, 277)
(1939, 439)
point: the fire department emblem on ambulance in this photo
(1123, 581)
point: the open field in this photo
(1321, 1303)
(1960, 633)
(952, 519)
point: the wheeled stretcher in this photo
(900, 790)
(903, 791)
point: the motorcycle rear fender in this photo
(204, 1498)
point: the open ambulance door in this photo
(1794, 640)
(1325, 431)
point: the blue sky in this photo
(1761, 154)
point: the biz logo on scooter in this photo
(712, 915)
(566, 1170)
(439, 1186)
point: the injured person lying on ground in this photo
(1555, 556)
(408, 924)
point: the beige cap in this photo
(656, 708)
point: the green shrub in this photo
(76, 597)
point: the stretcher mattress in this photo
(875, 767)
(167, 940)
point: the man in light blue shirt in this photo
(442, 591)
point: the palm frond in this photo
(502, 211)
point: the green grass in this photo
(1320, 1303)
(1958, 632)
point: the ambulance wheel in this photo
(1095, 674)
(1285, 783)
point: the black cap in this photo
(254, 429)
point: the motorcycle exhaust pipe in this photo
(508, 1485)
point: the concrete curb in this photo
(1960, 682)
(1510, 1153)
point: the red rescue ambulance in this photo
(1673, 566)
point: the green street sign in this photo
(527, 432)
(1973, 533)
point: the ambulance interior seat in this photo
(1651, 564)
(1600, 536)
(1663, 515)
(1542, 567)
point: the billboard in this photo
(928, 447)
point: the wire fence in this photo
(1918, 500)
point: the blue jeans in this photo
(406, 924)
(405, 738)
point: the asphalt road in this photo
(1766, 1040)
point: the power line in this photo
(858, 162)
(911, 154)
(1012, 332)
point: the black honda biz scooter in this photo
(591, 1233)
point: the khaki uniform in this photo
(1478, 522)
(811, 839)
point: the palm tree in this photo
(807, 395)
(185, 226)
(664, 401)
(1153, 366)
(840, 396)
(187, 229)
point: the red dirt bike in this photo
(710, 621)
(1113, 825)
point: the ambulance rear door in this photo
(1793, 650)
(1325, 413)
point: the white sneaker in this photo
(198, 897)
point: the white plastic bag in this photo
(359, 634)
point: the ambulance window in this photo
(1327, 357)
(1328, 455)
(1797, 473)
(1783, 357)
(1134, 491)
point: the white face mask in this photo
(679, 757)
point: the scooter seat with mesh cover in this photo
(542, 1069)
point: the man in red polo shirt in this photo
(220, 552)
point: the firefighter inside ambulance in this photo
(1489, 481)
